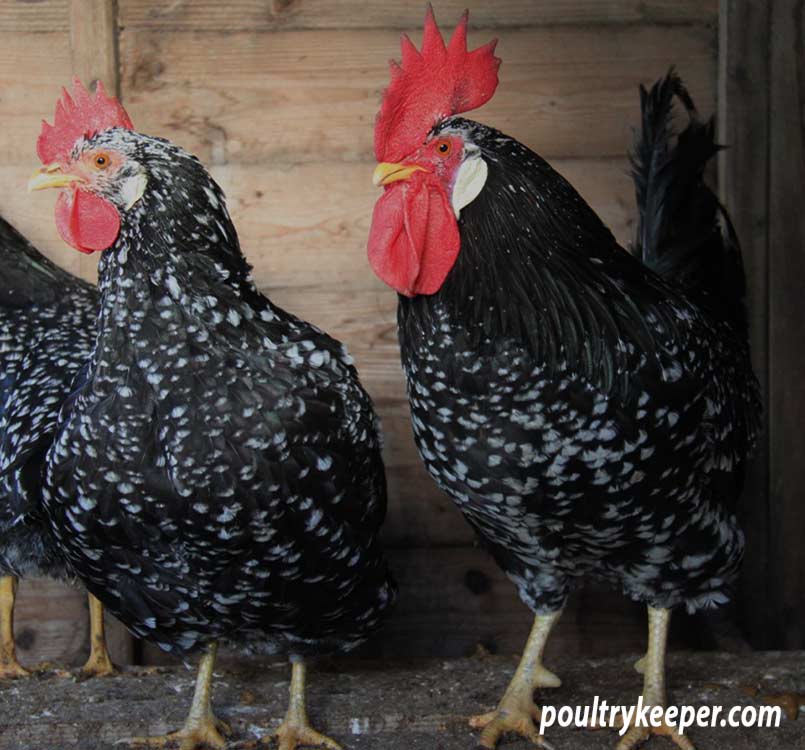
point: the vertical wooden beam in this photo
(743, 110)
(94, 52)
(787, 321)
(762, 99)
(93, 42)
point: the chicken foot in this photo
(202, 728)
(517, 711)
(99, 663)
(295, 730)
(10, 668)
(652, 667)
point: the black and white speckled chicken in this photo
(47, 323)
(591, 414)
(217, 473)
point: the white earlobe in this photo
(470, 180)
(133, 189)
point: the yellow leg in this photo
(202, 728)
(99, 663)
(9, 666)
(652, 667)
(295, 730)
(517, 711)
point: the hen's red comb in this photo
(430, 85)
(77, 116)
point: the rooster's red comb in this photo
(79, 115)
(428, 86)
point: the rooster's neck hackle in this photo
(539, 267)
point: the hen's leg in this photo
(202, 729)
(652, 666)
(295, 730)
(99, 663)
(517, 711)
(9, 666)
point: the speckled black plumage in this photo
(217, 474)
(47, 324)
(587, 414)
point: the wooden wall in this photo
(278, 98)
(762, 95)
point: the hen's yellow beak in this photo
(51, 176)
(386, 172)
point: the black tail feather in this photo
(684, 233)
(26, 276)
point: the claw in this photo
(636, 736)
(520, 723)
(516, 713)
(97, 666)
(208, 733)
(291, 737)
(11, 669)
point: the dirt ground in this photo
(422, 706)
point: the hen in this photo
(591, 414)
(47, 323)
(216, 473)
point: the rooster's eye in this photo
(101, 161)
(443, 147)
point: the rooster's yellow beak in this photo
(51, 176)
(386, 172)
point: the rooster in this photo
(216, 472)
(47, 322)
(590, 414)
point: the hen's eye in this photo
(101, 161)
(443, 147)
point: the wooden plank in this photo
(32, 68)
(402, 704)
(24, 16)
(304, 223)
(786, 571)
(51, 624)
(312, 96)
(744, 127)
(93, 42)
(271, 15)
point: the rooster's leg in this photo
(517, 711)
(295, 730)
(202, 728)
(99, 664)
(9, 666)
(652, 667)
